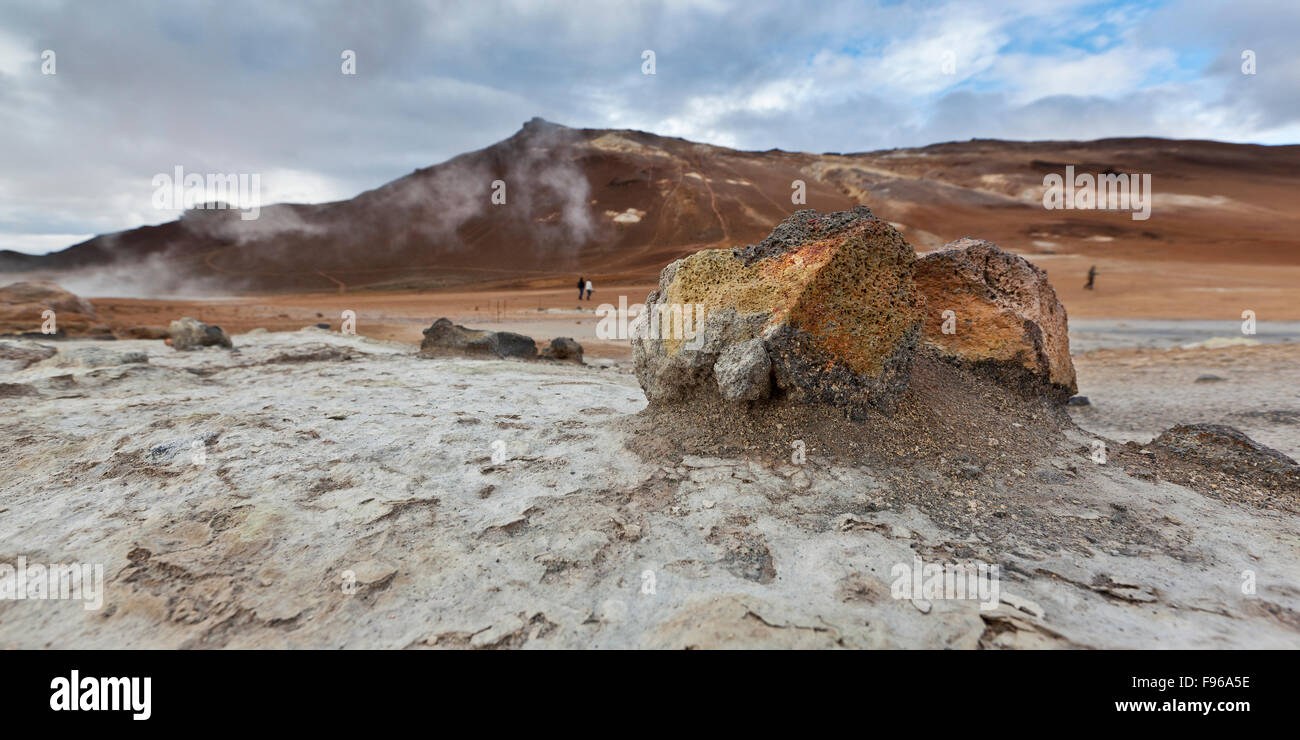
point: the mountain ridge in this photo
(622, 201)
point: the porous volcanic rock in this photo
(1006, 320)
(188, 333)
(23, 304)
(826, 299)
(447, 339)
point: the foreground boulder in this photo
(445, 339)
(188, 333)
(23, 306)
(823, 310)
(1006, 320)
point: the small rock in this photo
(744, 372)
(445, 338)
(188, 334)
(23, 306)
(1229, 450)
(564, 349)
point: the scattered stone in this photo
(1227, 450)
(564, 349)
(827, 298)
(744, 371)
(188, 334)
(1008, 321)
(1078, 401)
(23, 304)
(1210, 379)
(447, 339)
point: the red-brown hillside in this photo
(626, 202)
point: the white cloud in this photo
(257, 88)
(40, 243)
(1112, 73)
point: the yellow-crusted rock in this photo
(830, 297)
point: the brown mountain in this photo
(623, 203)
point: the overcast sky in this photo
(257, 87)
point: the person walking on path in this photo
(581, 284)
(588, 290)
(1092, 275)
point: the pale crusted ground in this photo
(329, 458)
(1137, 393)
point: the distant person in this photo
(581, 284)
(1092, 275)
(588, 290)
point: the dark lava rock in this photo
(1227, 449)
(565, 349)
(804, 226)
(445, 339)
